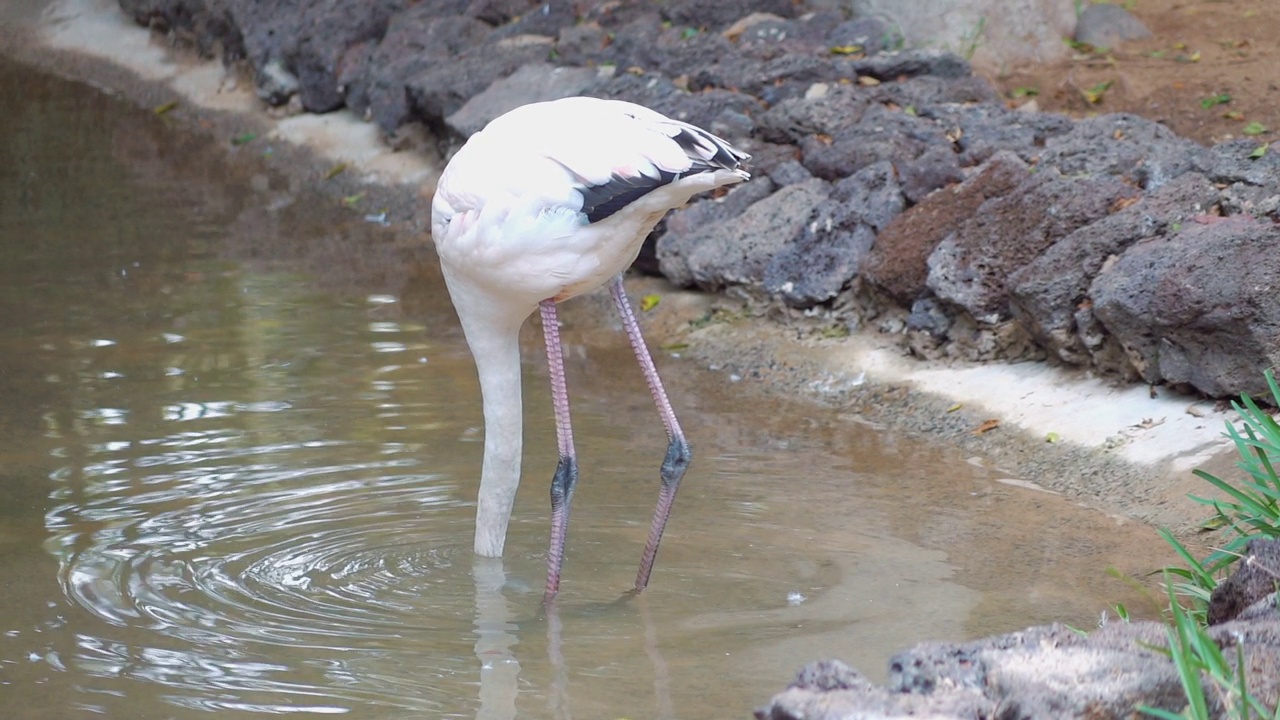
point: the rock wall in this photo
(892, 188)
(1055, 672)
(998, 34)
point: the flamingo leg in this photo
(566, 477)
(679, 454)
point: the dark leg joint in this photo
(564, 481)
(679, 455)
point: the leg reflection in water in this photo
(495, 640)
(498, 632)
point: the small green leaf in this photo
(1254, 128)
(244, 138)
(1094, 94)
(1219, 99)
(1122, 612)
(846, 50)
(1259, 151)
(649, 302)
(1052, 437)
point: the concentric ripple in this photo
(269, 574)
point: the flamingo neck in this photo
(496, 349)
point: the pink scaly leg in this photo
(566, 476)
(679, 454)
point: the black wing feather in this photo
(601, 201)
(706, 152)
(724, 157)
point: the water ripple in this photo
(228, 552)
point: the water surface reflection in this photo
(239, 448)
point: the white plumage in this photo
(549, 201)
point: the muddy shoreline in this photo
(1121, 449)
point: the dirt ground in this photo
(1211, 71)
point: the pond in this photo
(240, 442)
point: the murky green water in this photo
(239, 447)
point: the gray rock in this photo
(728, 114)
(872, 196)
(441, 89)
(825, 110)
(274, 83)
(497, 12)
(416, 40)
(323, 33)
(987, 128)
(929, 316)
(936, 167)
(535, 82)
(788, 173)
(1233, 162)
(1139, 150)
(910, 63)
(1049, 295)
(716, 14)
(831, 246)
(997, 33)
(541, 17)
(1195, 307)
(1254, 580)
(1083, 682)
(927, 90)
(772, 80)
(585, 43)
(737, 252)
(1266, 608)
(1051, 671)
(881, 134)
(1104, 25)
(971, 266)
(677, 54)
(681, 230)
(208, 27)
(771, 36)
(872, 34)
(819, 263)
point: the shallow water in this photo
(239, 446)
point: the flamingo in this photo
(547, 202)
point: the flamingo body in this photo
(549, 201)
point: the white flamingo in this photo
(549, 201)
